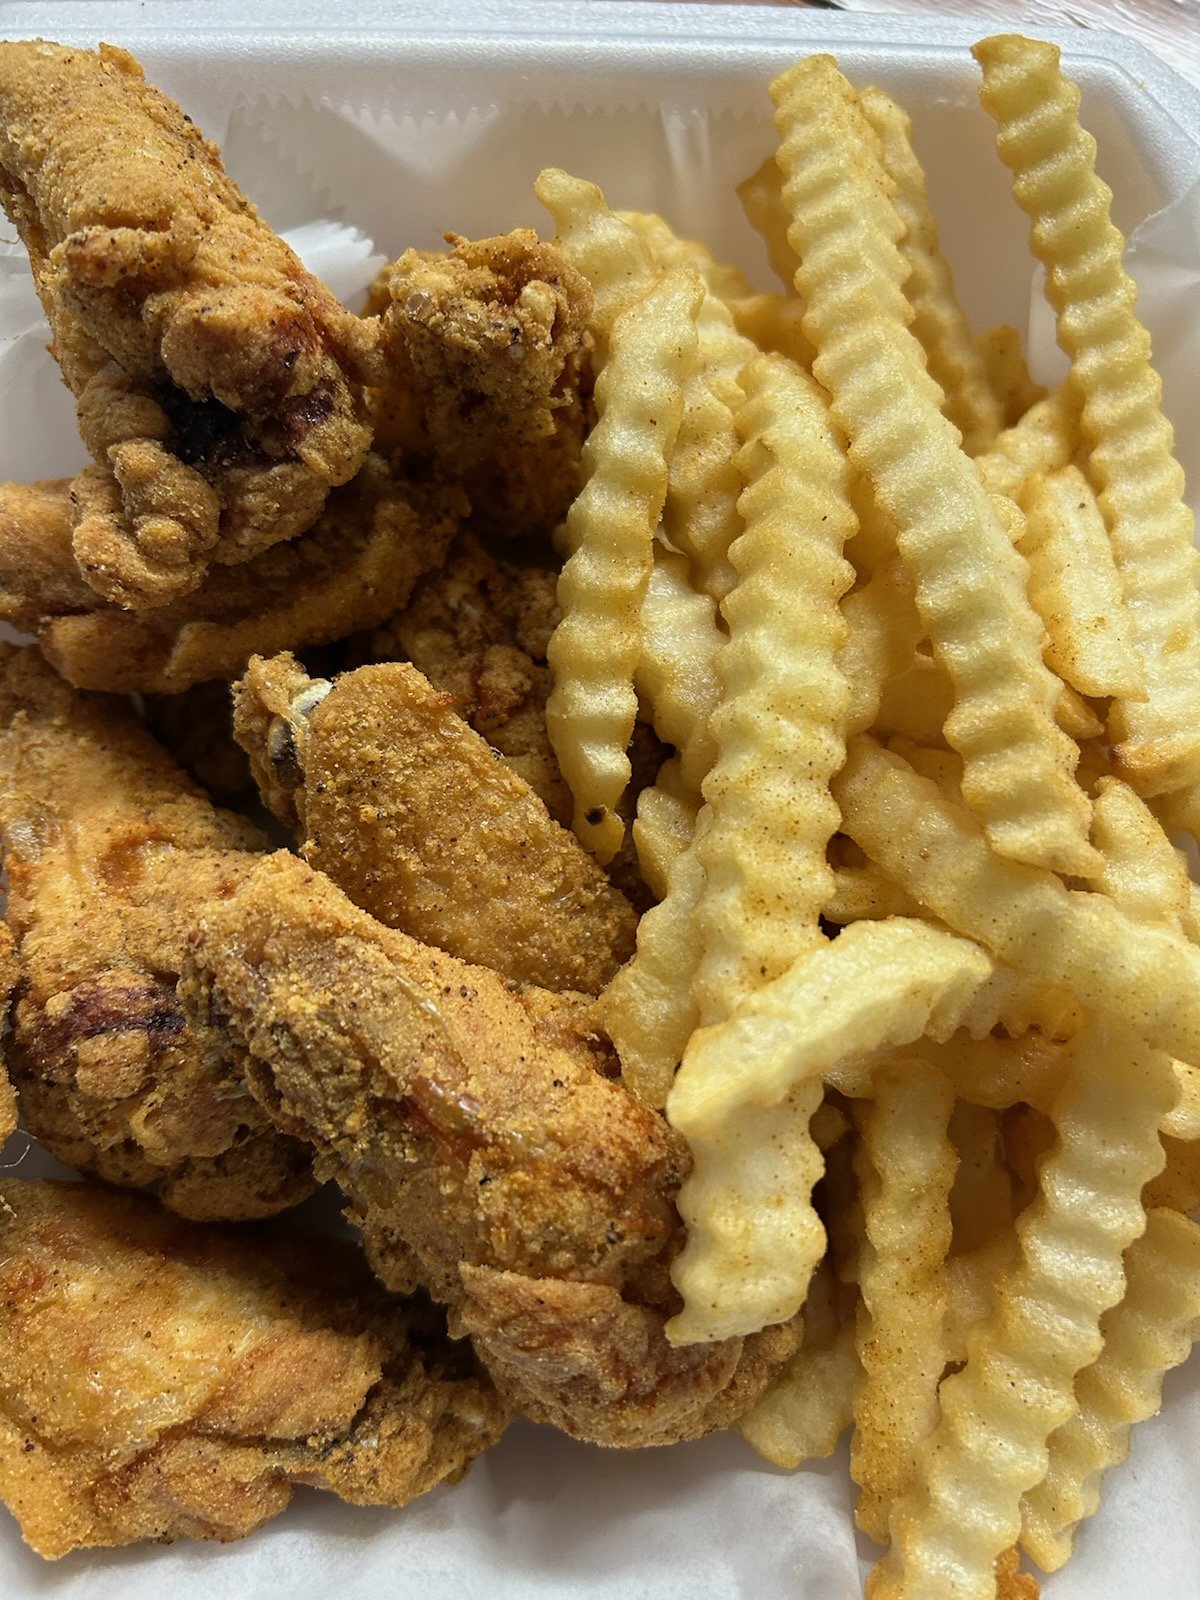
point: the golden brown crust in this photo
(110, 852)
(484, 362)
(480, 1146)
(8, 982)
(215, 378)
(163, 1379)
(415, 818)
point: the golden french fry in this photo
(1149, 1332)
(778, 728)
(882, 632)
(1130, 441)
(863, 894)
(969, 581)
(768, 216)
(1075, 588)
(981, 1201)
(971, 1279)
(805, 1410)
(775, 322)
(676, 676)
(906, 1167)
(1017, 1386)
(665, 825)
(1178, 1184)
(1073, 940)
(669, 250)
(1141, 871)
(954, 359)
(1043, 440)
(596, 242)
(610, 531)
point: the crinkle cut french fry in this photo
(609, 253)
(1183, 1122)
(981, 1201)
(778, 728)
(1141, 871)
(1017, 1386)
(863, 894)
(669, 250)
(906, 1168)
(1044, 440)
(775, 322)
(1131, 443)
(805, 1410)
(1075, 588)
(916, 703)
(1149, 1332)
(1007, 373)
(954, 359)
(610, 532)
(665, 825)
(877, 985)
(969, 581)
(1071, 939)
(648, 1009)
(1178, 1184)
(676, 676)
(882, 632)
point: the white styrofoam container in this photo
(408, 120)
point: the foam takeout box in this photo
(405, 121)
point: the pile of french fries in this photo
(922, 986)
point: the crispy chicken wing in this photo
(484, 361)
(163, 1379)
(413, 815)
(110, 853)
(483, 1151)
(374, 539)
(216, 380)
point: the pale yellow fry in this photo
(1130, 441)
(1178, 1184)
(779, 726)
(648, 1010)
(610, 532)
(917, 703)
(954, 360)
(1007, 372)
(969, 581)
(942, 767)
(766, 213)
(676, 677)
(1076, 717)
(774, 322)
(1184, 1121)
(667, 810)
(1149, 1332)
(1141, 870)
(596, 242)
(971, 1280)
(1075, 588)
(669, 250)
(805, 1410)
(906, 1166)
(864, 894)
(1074, 940)
(882, 632)
(1044, 440)
(1017, 1386)
(877, 985)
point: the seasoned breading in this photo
(374, 539)
(163, 1379)
(482, 1150)
(484, 361)
(110, 853)
(8, 982)
(413, 815)
(216, 380)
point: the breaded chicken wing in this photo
(484, 1150)
(374, 539)
(483, 360)
(8, 982)
(216, 380)
(415, 817)
(110, 853)
(163, 1380)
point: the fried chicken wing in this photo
(216, 380)
(163, 1379)
(374, 539)
(484, 361)
(413, 815)
(8, 982)
(484, 1150)
(110, 853)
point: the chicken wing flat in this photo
(374, 539)
(412, 814)
(163, 1379)
(484, 361)
(216, 380)
(485, 1152)
(110, 852)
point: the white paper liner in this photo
(540, 1515)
